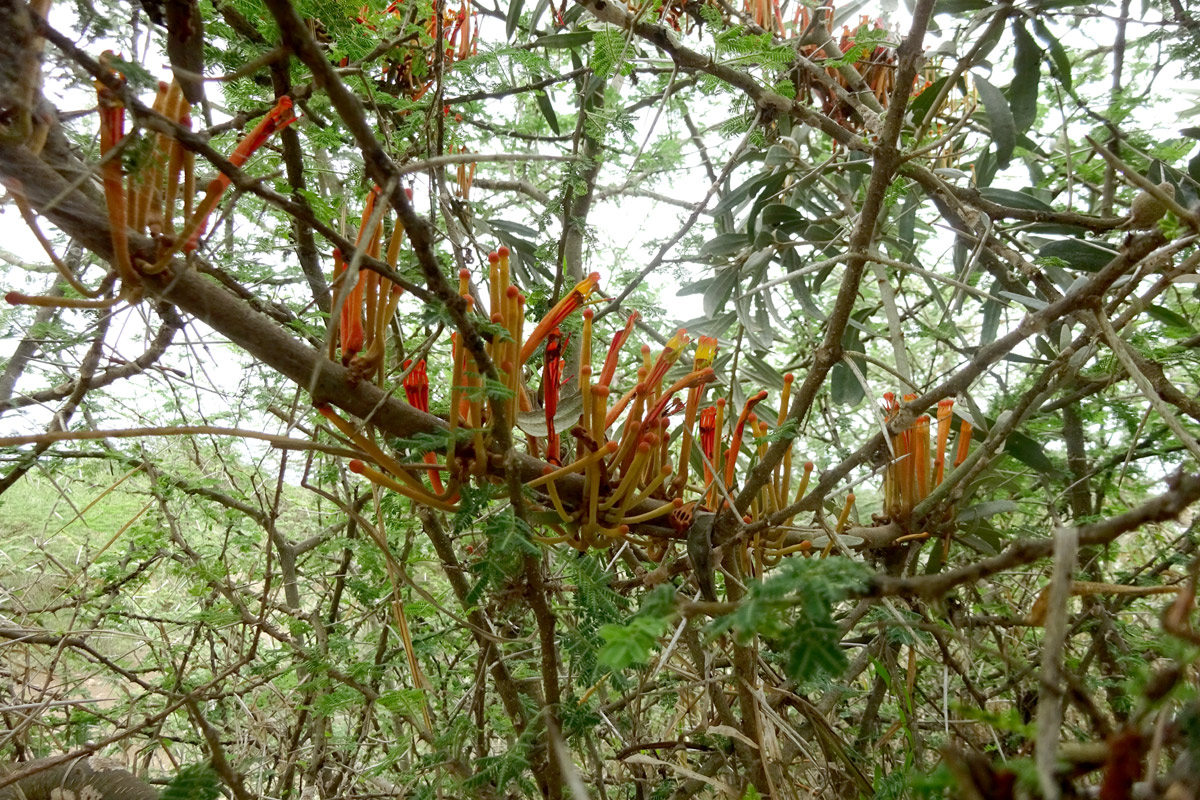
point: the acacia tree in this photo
(447, 531)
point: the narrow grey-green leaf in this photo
(720, 290)
(1023, 93)
(514, 17)
(562, 41)
(724, 244)
(1079, 254)
(845, 387)
(1170, 318)
(1058, 55)
(1000, 120)
(547, 109)
(1013, 199)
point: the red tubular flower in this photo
(736, 445)
(416, 389)
(574, 299)
(551, 383)
(276, 119)
(614, 351)
(416, 386)
(708, 435)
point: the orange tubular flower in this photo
(614, 351)
(667, 358)
(920, 433)
(351, 327)
(276, 119)
(736, 445)
(944, 412)
(692, 379)
(112, 130)
(964, 443)
(706, 352)
(574, 299)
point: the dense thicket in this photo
(905, 511)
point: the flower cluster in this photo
(147, 197)
(642, 482)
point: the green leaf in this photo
(724, 244)
(815, 651)
(1023, 92)
(784, 218)
(1060, 63)
(1013, 199)
(547, 109)
(846, 389)
(735, 197)
(515, 228)
(959, 7)
(1029, 452)
(1080, 254)
(992, 308)
(193, 782)
(1000, 120)
(514, 17)
(984, 510)
(626, 645)
(1170, 318)
(632, 643)
(720, 290)
(608, 49)
(1024, 449)
(922, 104)
(563, 41)
(906, 220)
